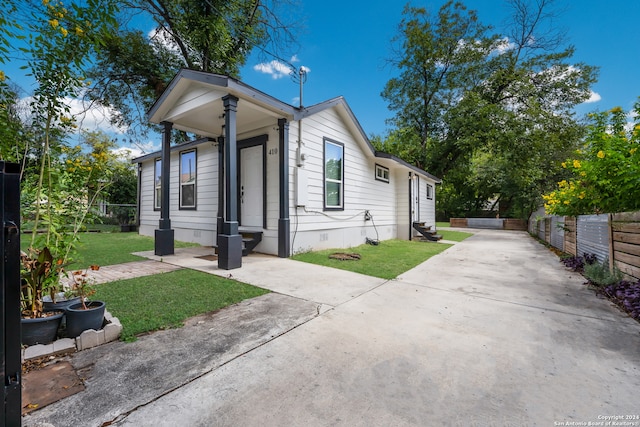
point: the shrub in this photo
(600, 275)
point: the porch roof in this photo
(193, 103)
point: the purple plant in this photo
(590, 258)
(626, 295)
(576, 263)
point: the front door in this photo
(251, 186)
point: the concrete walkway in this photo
(128, 270)
(493, 331)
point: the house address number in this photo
(273, 151)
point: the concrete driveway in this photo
(493, 331)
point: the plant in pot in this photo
(40, 274)
(84, 314)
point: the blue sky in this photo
(345, 44)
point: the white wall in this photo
(313, 228)
(199, 225)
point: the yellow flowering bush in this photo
(606, 176)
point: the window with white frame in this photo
(429, 191)
(382, 173)
(333, 175)
(188, 179)
(157, 184)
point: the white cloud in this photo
(138, 150)
(87, 115)
(278, 69)
(92, 116)
(593, 97)
(503, 45)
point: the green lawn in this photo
(166, 300)
(455, 236)
(107, 248)
(440, 225)
(387, 260)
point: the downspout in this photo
(299, 156)
(284, 227)
(220, 217)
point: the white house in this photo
(298, 178)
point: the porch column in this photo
(164, 235)
(284, 227)
(230, 242)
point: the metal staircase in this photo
(250, 239)
(426, 232)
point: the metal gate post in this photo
(10, 293)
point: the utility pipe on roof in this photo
(299, 156)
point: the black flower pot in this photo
(42, 330)
(61, 303)
(79, 319)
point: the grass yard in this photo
(107, 248)
(386, 261)
(455, 236)
(166, 300)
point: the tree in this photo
(605, 172)
(61, 40)
(207, 35)
(494, 115)
(437, 58)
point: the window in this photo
(157, 184)
(429, 191)
(333, 175)
(188, 179)
(382, 173)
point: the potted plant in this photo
(40, 274)
(85, 314)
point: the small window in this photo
(382, 173)
(157, 174)
(429, 191)
(333, 175)
(188, 179)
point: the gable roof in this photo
(192, 96)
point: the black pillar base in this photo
(284, 238)
(164, 242)
(229, 251)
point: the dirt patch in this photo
(41, 387)
(208, 257)
(344, 256)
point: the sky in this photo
(345, 45)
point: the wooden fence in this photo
(622, 245)
(625, 242)
(492, 223)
